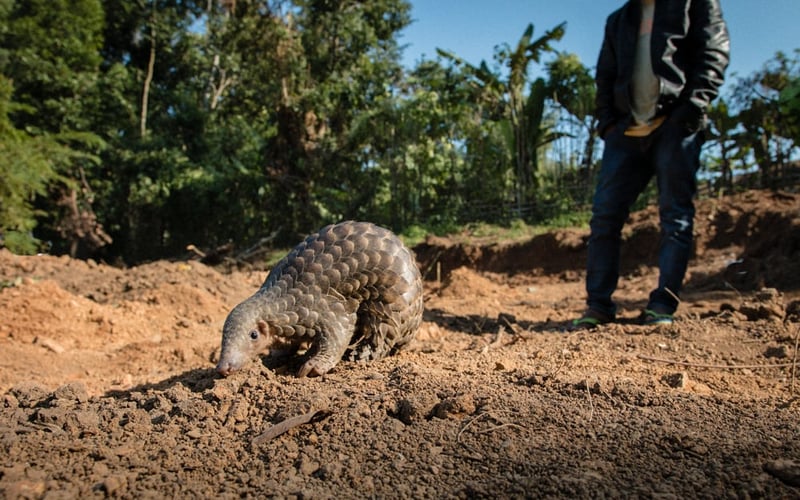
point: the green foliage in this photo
(731, 149)
(26, 169)
(525, 129)
(135, 128)
(568, 218)
(572, 85)
(51, 50)
(789, 105)
(514, 230)
(767, 123)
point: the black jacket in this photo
(690, 51)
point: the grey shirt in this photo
(645, 83)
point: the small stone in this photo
(779, 352)
(504, 364)
(74, 392)
(114, 485)
(49, 344)
(414, 408)
(25, 489)
(396, 426)
(768, 295)
(307, 466)
(786, 470)
(676, 380)
(793, 310)
(88, 422)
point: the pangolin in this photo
(351, 289)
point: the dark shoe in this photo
(590, 320)
(651, 317)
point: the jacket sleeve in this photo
(712, 44)
(605, 78)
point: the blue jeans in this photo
(672, 154)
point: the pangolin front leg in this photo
(329, 346)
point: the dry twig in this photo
(434, 262)
(290, 423)
(794, 360)
(260, 247)
(713, 366)
(497, 427)
(500, 425)
(589, 397)
(498, 340)
(472, 421)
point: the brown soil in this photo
(108, 386)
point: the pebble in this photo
(114, 485)
(786, 470)
(676, 380)
(49, 344)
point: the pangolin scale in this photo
(351, 290)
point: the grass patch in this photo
(472, 232)
(485, 233)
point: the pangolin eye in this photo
(254, 334)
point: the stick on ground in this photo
(711, 366)
(290, 423)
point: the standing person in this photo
(660, 66)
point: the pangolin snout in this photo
(226, 366)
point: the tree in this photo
(524, 111)
(50, 51)
(789, 105)
(26, 170)
(415, 139)
(173, 173)
(350, 63)
(768, 126)
(726, 134)
(573, 89)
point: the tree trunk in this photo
(148, 79)
(588, 161)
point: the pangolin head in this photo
(244, 335)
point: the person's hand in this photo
(689, 117)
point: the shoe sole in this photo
(652, 318)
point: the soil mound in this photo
(757, 234)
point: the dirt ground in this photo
(108, 387)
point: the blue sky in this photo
(472, 28)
